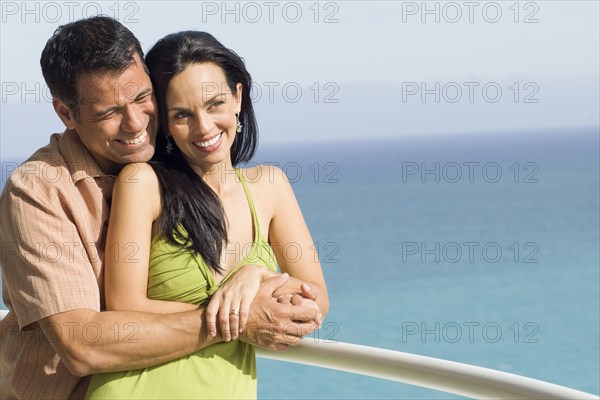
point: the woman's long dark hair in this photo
(187, 201)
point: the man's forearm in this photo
(91, 342)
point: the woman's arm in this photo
(239, 292)
(135, 206)
(288, 229)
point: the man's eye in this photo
(107, 115)
(143, 99)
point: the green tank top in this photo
(220, 371)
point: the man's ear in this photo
(64, 113)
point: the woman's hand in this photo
(231, 303)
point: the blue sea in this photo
(482, 249)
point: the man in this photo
(54, 211)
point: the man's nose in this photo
(133, 119)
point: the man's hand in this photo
(305, 290)
(277, 325)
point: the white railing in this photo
(433, 373)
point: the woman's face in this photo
(201, 114)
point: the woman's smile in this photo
(210, 145)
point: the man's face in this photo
(117, 119)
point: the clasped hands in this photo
(263, 308)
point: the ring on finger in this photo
(234, 312)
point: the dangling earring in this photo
(238, 124)
(169, 144)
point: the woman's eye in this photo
(216, 104)
(181, 115)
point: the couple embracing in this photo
(169, 250)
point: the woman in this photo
(206, 229)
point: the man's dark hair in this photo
(96, 44)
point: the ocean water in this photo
(478, 249)
(482, 249)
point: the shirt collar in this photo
(79, 161)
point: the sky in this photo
(348, 70)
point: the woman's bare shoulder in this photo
(138, 174)
(264, 175)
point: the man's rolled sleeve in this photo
(46, 265)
